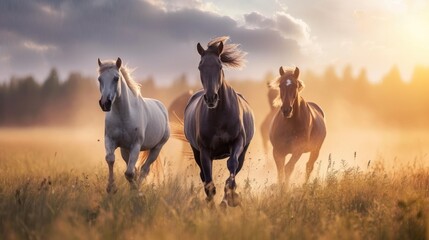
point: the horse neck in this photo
(225, 95)
(297, 107)
(122, 102)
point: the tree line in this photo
(74, 100)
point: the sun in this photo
(416, 30)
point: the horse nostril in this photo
(286, 111)
(106, 105)
(210, 99)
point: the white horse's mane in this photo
(126, 73)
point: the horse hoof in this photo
(134, 185)
(111, 189)
(210, 203)
(209, 199)
(129, 176)
(210, 190)
(233, 199)
(223, 204)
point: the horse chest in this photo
(216, 137)
(123, 135)
(220, 137)
(290, 137)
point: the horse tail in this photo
(142, 159)
(159, 173)
(158, 167)
(176, 118)
(178, 132)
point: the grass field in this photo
(53, 187)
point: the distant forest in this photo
(74, 100)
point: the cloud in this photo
(4, 58)
(293, 27)
(33, 46)
(255, 19)
(158, 37)
(289, 26)
(373, 30)
(175, 5)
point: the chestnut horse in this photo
(298, 126)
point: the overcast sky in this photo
(159, 37)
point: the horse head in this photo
(108, 79)
(211, 73)
(289, 86)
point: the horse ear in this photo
(296, 72)
(200, 49)
(300, 85)
(220, 48)
(281, 71)
(99, 62)
(119, 62)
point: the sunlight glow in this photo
(416, 30)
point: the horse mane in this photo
(126, 73)
(231, 56)
(275, 84)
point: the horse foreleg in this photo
(206, 167)
(234, 163)
(132, 159)
(241, 159)
(310, 164)
(125, 153)
(265, 137)
(110, 159)
(198, 161)
(290, 165)
(279, 158)
(153, 155)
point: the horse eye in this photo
(115, 79)
(99, 79)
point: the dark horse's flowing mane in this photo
(231, 55)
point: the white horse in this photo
(132, 123)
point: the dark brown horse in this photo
(266, 124)
(176, 110)
(218, 120)
(298, 126)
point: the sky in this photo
(159, 37)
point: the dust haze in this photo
(367, 123)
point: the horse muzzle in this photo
(287, 112)
(211, 101)
(106, 106)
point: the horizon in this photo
(195, 79)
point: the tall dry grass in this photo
(57, 191)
